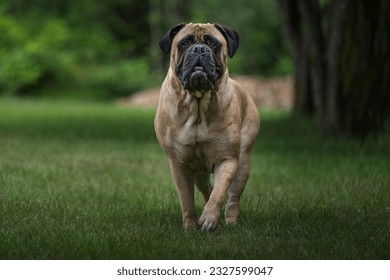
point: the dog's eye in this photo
(212, 43)
(185, 43)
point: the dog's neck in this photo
(194, 104)
(198, 104)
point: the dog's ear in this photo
(166, 41)
(232, 38)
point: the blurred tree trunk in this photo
(342, 65)
(291, 22)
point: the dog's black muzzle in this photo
(197, 68)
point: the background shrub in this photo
(110, 47)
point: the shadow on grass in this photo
(289, 134)
(319, 231)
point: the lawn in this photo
(89, 181)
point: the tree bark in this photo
(335, 38)
(365, 67)
(312, 19)
(346, 74)
(289, 14)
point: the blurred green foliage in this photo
(28, 57)
(110, 47)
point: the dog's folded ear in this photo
(166, 41)
(232, 38)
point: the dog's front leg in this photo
(184, 181)
(224, 175)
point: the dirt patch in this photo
(267, 93)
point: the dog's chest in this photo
(201, 134)
(195, 128)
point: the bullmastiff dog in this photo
(205, 122)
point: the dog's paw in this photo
(231, 220)
(231, 214)
(208, 222)
(190, 224)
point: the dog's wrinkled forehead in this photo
(199, 30)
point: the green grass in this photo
(89, 181)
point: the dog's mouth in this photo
(197, 73)
(198, 68)
(198, 80)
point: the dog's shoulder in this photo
(242, 93)
(249, 110)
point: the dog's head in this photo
(199, 53)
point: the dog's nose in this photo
(199, 49)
